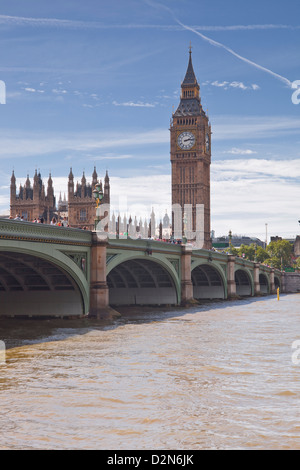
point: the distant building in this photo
(297, 246)
(81, 203)
(33, 202)
(62, 205)
(236, 241)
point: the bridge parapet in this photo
(29, 231)
(146, 245)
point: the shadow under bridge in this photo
(141, 282)
(207, 283)
(33, 286)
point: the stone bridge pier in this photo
(187, 293)
(99, 292)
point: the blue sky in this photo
(95, 83)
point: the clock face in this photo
(186, 140)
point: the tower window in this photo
(82, 216)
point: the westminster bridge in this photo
(57, 271)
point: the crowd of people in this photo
(41, 220)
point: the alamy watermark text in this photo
(296, 94)
(2, 92)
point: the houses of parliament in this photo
(190, 152)
(35, 202)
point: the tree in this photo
(248, 251)
(234, 251)
(274, 262)
(261, 254)
(280, 253)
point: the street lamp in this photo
(230, 242)
(98, 196)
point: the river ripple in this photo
(219, 376)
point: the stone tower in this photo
(191, 156)
(31, 201)
(81, 204)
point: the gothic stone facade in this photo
(81, 204)
(32, 201)
(191, 153)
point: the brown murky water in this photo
(219, 376)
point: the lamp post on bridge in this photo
(98, 196)
(230, 242)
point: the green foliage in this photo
(261, 254)
(247, 252)
(280, 253)
(234, 251)
(274, 262)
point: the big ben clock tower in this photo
(191, 157)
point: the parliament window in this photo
(82, 215)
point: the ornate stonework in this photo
(81, 204)
(33, 202)
(191, 153)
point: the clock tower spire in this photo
(190, 158)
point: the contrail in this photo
(219, 44)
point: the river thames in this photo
(217, 376)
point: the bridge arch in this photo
(142, 280)
(46, 280)
(277, 282)
(209, 281)
(244, 282)
(264, 283)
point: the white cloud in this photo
(34, 90)
(257, 168)
(150, 191)
(59, 92)
(235, 84)
(133, 104)
(218, 84)
(110, 157)
(238, 151)
(247, 194)
(238, 85)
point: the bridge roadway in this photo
(55, 271)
